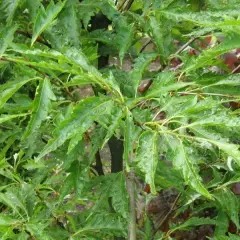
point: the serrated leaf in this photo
(207, 57)
(147, 156)
(115, 122)
(229, 203)
(206, 18)
(104, 222)
(139, 67)
(97, 141)
(33, 7)
(77, 178)
(11, 200)
(66, 32)
(194, 221)
(182, 162)
(83, 79)
(158, 37)
(8, 221)
(5, 118)
(216, 120)
(6, 36)
(41, 107)
(124, 37)
(38, 229)
(217, 140)
(114, 186)
(45, 18)
(9, 88)
(83, 116)
(222, 223)
(163, 83)
(87, 11)
(79, 58)
(10, 7)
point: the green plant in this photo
(179, 127)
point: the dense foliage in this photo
(169, 92)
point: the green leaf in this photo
(97, 141)
(112, 186)
(38, 229)
(81, 119)
(207, 57)
(77, 178)
(77, 57)
(11, 200)
(222, 223)
(124, 38)
(182, 162)
(4, 118)
(41, 107)
(8, 221)
(139, 67)
(9, 143)
(229, 203)
(159, 38)
(6, 36)
(33, 7)
(10, 7)
(105, 223)
(115, 122)
(147, 156)
(216, 139)
(83, 79)
(194, 221)
(206, 18)
(163, 83)
(9, 88)
(45, 18)
(66, 32)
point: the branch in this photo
(132, 235)
(235, 69)
(98, 167)
(181, 49)
(168, 213)
(176, 53)
(129, 4)
(121, 5)
(145, 45)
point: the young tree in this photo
(156, 81)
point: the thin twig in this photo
(129, 4)
(176, 53)
(208, 94)
(132, 233)
(121, 5)
(168, 213)
(235, 69)
(181, 49)
(99, 166)
(145, 45)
